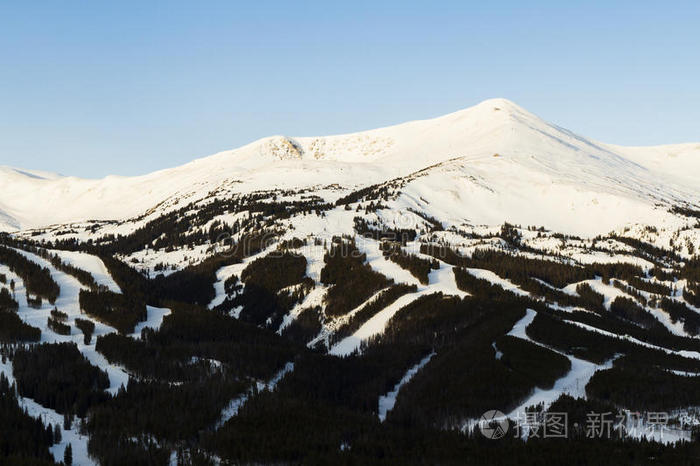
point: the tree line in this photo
(37, 280)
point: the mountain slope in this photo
(678, 160)
(514, 155)
(356, 297)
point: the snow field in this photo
(68, 302)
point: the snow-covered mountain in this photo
(491, 163)
(339, 299)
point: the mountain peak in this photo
(474, 136)
(499, 103)
(497, 108)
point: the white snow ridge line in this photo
(387, 402)
(232, 408)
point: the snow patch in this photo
(387, 402)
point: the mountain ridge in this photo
(398, 275)
(495, 128)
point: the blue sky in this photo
(94, 88)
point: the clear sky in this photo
(91, 88)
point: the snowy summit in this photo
(494, 161)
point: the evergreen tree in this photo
(57, 434)
(68, 455)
